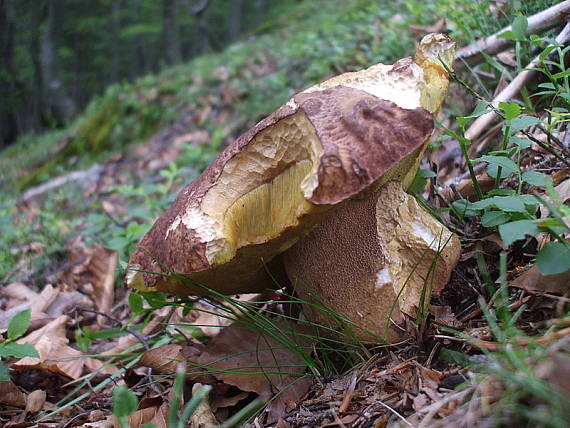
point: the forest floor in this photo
(494, 349)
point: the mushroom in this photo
(329, 149)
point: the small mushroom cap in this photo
(332, 142)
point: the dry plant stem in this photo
(83, 178)
(483, 122)
(118, 323)
(432, 409)
(538, 23)
(348, 394)
(545, 340)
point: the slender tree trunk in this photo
(201, 37)
(37, 90)
(18, 114)
(234, 20)
(260, 11)
(170, 32)
(115, 41)
(8, 109)
(140, 64)
(61, 105)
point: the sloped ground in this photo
(66, 237)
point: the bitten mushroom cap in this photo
(342, 138)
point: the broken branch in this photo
(473, 54)
(483, 122)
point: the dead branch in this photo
(483, 122)
(538, 23)
(84, 178)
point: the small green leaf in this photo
(519, 26)
(462, 206)
(18, 350)
(493, 170)
(136, 303)
(19, 324)
(515, 230)
(125, 402)
(155, 299)
(501, 192)
(511, 110)
(534, 178)
(528, 200)
(494, 218)
(505, 203)
(4, 373)
(523, 122)
(420, 180)
(508, 35)
(481, 108)
(502, 161)
(554, 258)
(522, 143)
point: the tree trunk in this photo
(260, 11)
(115, 73)
(18, 114)
(37, 92)
(60, 104)
(9, 121)
(234, 20)
(200, 32)
(170, 32)
(140, 63)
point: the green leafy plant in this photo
(17, 327)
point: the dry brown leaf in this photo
(534, 282)
(164, 359)
(10, 395)
(203, 416)
(47, 296)
(444, 315)
(256, 362)
(107, 423)
(18, 291)
(35, 401)
(218, 401)
(125, 342)
(212, 319)
(103, 265)
(140, 417)
(54, 353)
(93, 268)
(420, 401)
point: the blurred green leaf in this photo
(19, 324)
(516, 230)
(494, 218)
(18, 350)
(511, 110)
(553, 259)
(534, 178)
(125, 402)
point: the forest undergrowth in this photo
(78, 349)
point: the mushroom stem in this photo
(371, 261)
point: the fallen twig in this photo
(84, 178)
(491, 45)
(483, 122)
(544, 340)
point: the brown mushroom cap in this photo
(336, 140)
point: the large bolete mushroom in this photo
(316, 167)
